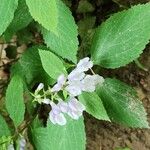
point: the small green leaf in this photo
(21, 19)
(51, 64)
(121, 39)
(31, 67)
(94, 105)
(7, 9)
(64, 42)
(122, 104)
(55, 137)
(14, 100)
(4, 130)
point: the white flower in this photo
(10, 147)
(40, 87)
(90, 82)
(76, 108)
(46, 101)
(84, 64)
(74, 88)
(56, 116)
(76, 75)
(60, 83)
(22, 143)
(63, 106)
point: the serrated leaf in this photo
(121, 39)
(21, 18)
(64, 42)
(7, 9)
(14, 100)
(94, 105)
(55, 137)
(4, 130)
(45, 12)
(52, 64)
(122, 104)
(31, 67)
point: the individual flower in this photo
(84, 64)
(56, 116)
(10, 147)
(75, 75)
(60, 83)
(74, 88)
(22, 143)
(40, 87)
(90, 82)
(75, 109)
(46, 101)
(63, 106)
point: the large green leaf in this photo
(7, 9)
(14, 100)
(122, 104)
(121, 39)
(52, 64)
(4, 130)
(31, 67)
(55, 137)
(94, 105)
(21, 19)
(64, 40)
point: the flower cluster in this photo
(74, 84)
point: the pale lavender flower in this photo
(40, 87)
(60, 83)
(63, 106)
(90, 82)
(10, 147)
(76, 75)
(84, 64)
(22, 143)
(74, 88)
(56, 116)
(76, 108)
(46, 101)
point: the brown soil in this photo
(103, 135)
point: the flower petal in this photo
(60, 119)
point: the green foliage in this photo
(121, 39)
(64, 42)
(4, 130)
(94, 105)
(7, 9)
(69, 137)
(30, 66)
(21, 19)
(14, 100)
(52, 64)
(122, 104)
(46, 14)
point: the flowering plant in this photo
(49, 91)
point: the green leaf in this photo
(4, 130)
(46, 13)
(31, 67)
(121, 39)
(64, 40)
(94, 105)
(21, 19)
(55, 137)
(52, 64)
(14, 100)
(7, 9)
(122, 104)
